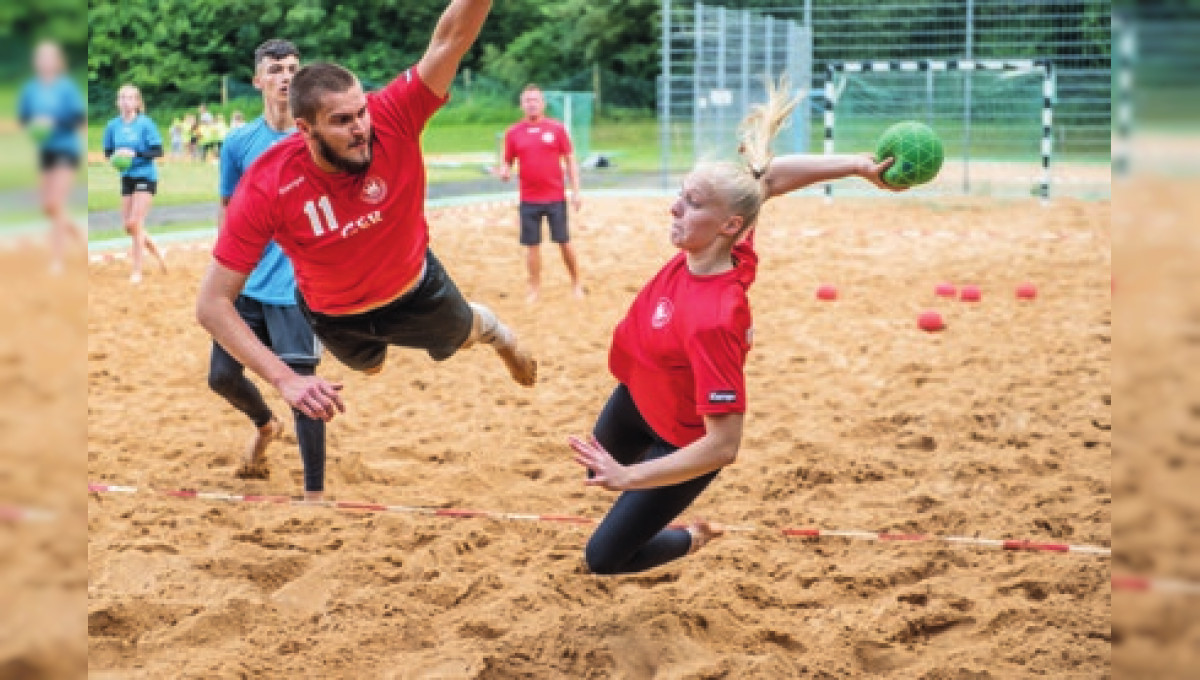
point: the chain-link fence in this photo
(1073, 35)
(715, 63)
(1156, 76)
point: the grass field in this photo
(158, 232)
(633, 146)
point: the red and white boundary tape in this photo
(1122, 583)
(1146, 584)
(15, 514)
(358, 506)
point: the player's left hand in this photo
(873, 170)
(606, 471)
(576, 201)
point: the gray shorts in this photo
(531, 222)
(433, 316)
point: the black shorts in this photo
(531, 222)
(433, 316)
(48, 160)
(283, 328)
(129, 185)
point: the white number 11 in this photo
(315, 219)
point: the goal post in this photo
(995, 117)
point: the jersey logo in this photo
(548, 137)
(722, 397)
(374, 190)
(662, 313)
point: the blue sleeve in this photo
(77, 109)
(229, 169)
(150, 136)
(24, 112)
(109, 144)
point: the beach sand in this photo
(997, 427)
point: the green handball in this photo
(917, 150)
(41, 128)
(121, 162)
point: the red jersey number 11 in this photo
(314, 218)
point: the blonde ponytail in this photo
(764, 121)
(740, 184)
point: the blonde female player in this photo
(675, 418)
(134, 135)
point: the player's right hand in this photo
(503, 173)
(313, 396)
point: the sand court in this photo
(997, 426)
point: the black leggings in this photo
(633, 536)
(227, 378)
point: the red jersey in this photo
(354, 239)
(681, 349)
(539, 148)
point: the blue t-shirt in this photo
(138, 135)
(272, 282)
(61, 102)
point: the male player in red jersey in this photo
(344, 199)
(543, 149)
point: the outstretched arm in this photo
(313, 396)
(789, 173)
(455, 33)
(716, 449)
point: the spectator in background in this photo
(177, 133)
(236, 121)
(205, 136)
(52, 109)
(192, 124)
(220, 130)
(542, 148)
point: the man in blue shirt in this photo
(268, 301)
(52, 108)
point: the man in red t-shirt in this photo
(543, 148)
(344, 200)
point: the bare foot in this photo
(579, 291)
(135, 278)
(532, 296)
(521, 364)
(702, 532)
(254, 463)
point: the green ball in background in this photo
(41, 129)
(121, 162)
(918, 152)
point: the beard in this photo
(350, 165)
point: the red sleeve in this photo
(247, 231)
(510, 149)
(566, 147)
(718, 358)
(406, 104)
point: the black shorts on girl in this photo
(132, 185)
